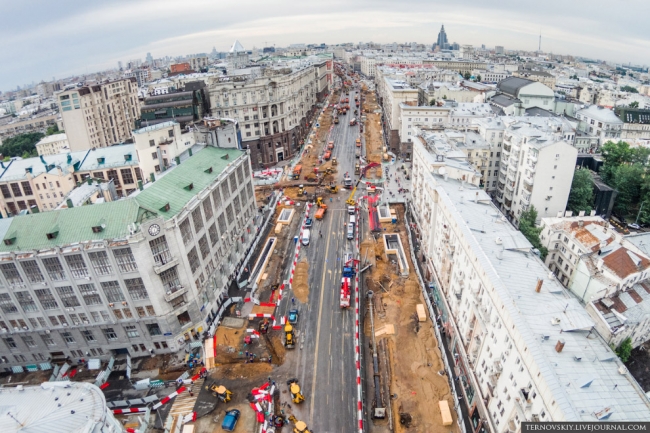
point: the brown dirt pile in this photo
(300, 281)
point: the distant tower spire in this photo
(540, 41)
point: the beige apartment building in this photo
(99, 115)
(41, 184)
(53, 144)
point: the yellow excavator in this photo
(299, 426)
(350, 201)
(221, 392)
(333, 189)
(289, 339)
(294, 388)
(301, 190)
(320, 203)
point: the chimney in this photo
(68, 202)
(559, 345)
(538, 288)
(476, 197)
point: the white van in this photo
(305, 237)
(353, 219)
(350, 231)
(350, 210)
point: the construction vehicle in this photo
(334, 161)
(345, 292)
(358, 142)
(264, 326)
(357, 169)
(327, 155)
(296, 172)
(320, 213)
(298, 426)
(333, 189)
(320, 203)
(336, 120)
(330, 145)
(353, 122)
(347, 181)
(368, 167)
(301, 190)
(221, 392)
(294, 388)
(289, 338)
(350, 199)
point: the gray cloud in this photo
(41, 39)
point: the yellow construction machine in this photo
(301, 190)
(350, 201)
(221, 392)
(320, 203)
(289, 338)
(294, 388)
(334, 161)
(299, 426)
(333, 189)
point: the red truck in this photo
(345, 292)
(327, 155)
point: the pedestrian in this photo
(293, 301)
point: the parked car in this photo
(634, 226)
(308, 222)
(230, 420)
(293, 316)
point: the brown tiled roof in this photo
(618, 304)
(622, 265)
(646, 286)
(634, 295)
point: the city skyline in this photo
(84, 38)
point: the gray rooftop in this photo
(512, 85)
(514, 271)
(599, 113)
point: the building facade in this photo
(99, 115)
(601, 123)
(53, 144)
(273, 111)
(146, 274)
(519, 342)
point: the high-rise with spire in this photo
(442, 42)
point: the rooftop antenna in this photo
(540, 40)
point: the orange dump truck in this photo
(296, 171)
(320, 213)
(327, 155)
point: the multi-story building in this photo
(523, 349)
(40, 184)
(540, 76)
(147, 273)
(600, 122)
(274, 110)
(391, 94)
(605, 271)
(198, 62)
(53, 144)
(636, 123)
(185, 106)
(536, 169)
(99, 115)
(36, 123)
(514, 95)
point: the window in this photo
(6, 304)
(125, 260)
(29, 341)
(112, 174)
(214, 235)
(11, 343)
(127, 175)
(131, 331)
(224, 188)
(88, 336)
(216, 198)
(186, 231)
(193, 258)
(11, 274)
(5, 191)
(110, 334)
(204, 247)
(154, 155)
(77, 266)
(154, 329)
(184, 318)
(46, 299)
(67, 337)
(68, 297)
(207, 208)
(15, 188)
(197, 219)
(26, 302)
(170, 280)
(223, 228)
(113, 291)
(54, 268)
(27, 188)
(170, 132)
(100, 262)
(229, 214)
(152, 143)
(89, 294)
(136, 289)
(48, 340)
(150, 310)
(160, 250)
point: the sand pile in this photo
(300, 281)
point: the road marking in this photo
(329, 351)
(320, 316)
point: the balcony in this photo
(532, 168)
(504, 169)
(175, 293)
(162, 265)
(526, 199)
(532, 157)
(512, 176)
(528, 180)
(507, 203)
(510, 186)
(502, 178)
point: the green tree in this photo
(18, 145)
(624, 350)
(467, 75)
(52, 129)
(432, 102)
(581, 195)
(634, 104)
(626, 180)
(478, 78)
(530, 231)
(614, 154)
(629, 89)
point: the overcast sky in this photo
(42, 39)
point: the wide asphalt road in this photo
(326, 366)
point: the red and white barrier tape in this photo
(357, 350)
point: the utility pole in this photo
(539, 49)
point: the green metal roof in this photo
(67, 226)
